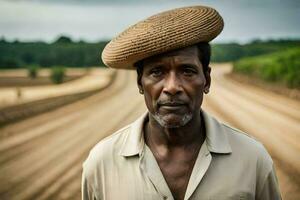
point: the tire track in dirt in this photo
(75, 158)
(63, 190)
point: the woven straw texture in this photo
(161, 33)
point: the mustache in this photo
(170, 102)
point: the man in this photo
(175, 150)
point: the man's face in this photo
(173, 84)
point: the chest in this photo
(216, 179)
(177, 172)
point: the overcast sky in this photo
(93, 20)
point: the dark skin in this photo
(173, 85)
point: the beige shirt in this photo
(230, 166)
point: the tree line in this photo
(234, 51)
(65, 52)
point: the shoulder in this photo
(241, 144)
(109, 154)
(254, 154)
(100, 161)
(241, 139)
(248, 147)
(106, 149)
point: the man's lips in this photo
(172, 106)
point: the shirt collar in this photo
(216, 136)
(134, 142)
(216, 139)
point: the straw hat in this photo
(162, 32)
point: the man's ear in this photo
(139, 70)
(139, 84)
(208, 80)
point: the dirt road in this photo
(41, 157)
(89, 80)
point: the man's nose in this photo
(172, 84)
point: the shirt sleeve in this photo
(87, 191)
(270, 189)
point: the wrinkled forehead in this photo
(190, 53)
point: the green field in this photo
(281, 67)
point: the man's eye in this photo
(156, 72)
(189, 71)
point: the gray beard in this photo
(184, 120)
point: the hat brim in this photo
(161, 33)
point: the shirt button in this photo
(165, 197)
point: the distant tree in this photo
(64, 39)
(57, 74)
(2, 40)
(16, 41)
(81, 41)
(32, 71)
(255, 41)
